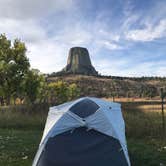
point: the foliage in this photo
(18, 81)
(34, 84)
(73, 91)
(14, 65)
(60, 92)
(108, 87)
(57, 92)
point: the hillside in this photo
(104, 86)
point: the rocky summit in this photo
(79, 62)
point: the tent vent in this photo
(84, 108)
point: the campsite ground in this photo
(18, 148)
(20, 135)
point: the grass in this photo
(18, 148)
(140, 124)
(18, 120)
(147, 152)
(20, 134)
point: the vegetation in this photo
(20, 134)
(60, 91)
(13, 67)
(20, 84)
(109, 87)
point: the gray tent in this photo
(84, 132)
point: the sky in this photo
(124, 37)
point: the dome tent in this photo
(85, 132)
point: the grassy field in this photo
(18, 148)
(20, 135)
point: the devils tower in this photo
(79, 62)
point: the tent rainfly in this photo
(85, 132)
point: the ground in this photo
(20, 135)
(18, 148)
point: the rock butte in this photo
(79, 62)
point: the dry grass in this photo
(143, 118)
(139, 104)
(132, 99)
(102, 86)
(20, 134)
(20, 120)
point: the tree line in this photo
(19, 84)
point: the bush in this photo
(60, 92)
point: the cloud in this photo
(20, 9)
(108, 29)
(28, 31)
(44, 53)
(114, 66)
(108, 45)
(74, 35)
(124, 67)
(105, 34)
(47, 55)
(149, 33)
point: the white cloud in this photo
(111, 67)
(28, 30)
(113, 37)
(124, 67)
(74, 35)
(21, 9)
(149, 33)
(144, 24)
(108, 45)
(47, 55)
(49, 28)
(128, 22)
(21, 19)
(44, 53)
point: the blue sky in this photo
(124, 37)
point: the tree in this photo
(5, 52)
(58, 92)
(33, 85)
(14, 65)
(73, 91)
(17, 80)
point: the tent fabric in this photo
(104, 117)
(84, 108)
(91, 148)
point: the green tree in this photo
(33, 86)
(13, 67)
(58, 92)
(73, 91)
(18, 81)
(5, 51)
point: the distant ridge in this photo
(108, 86)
